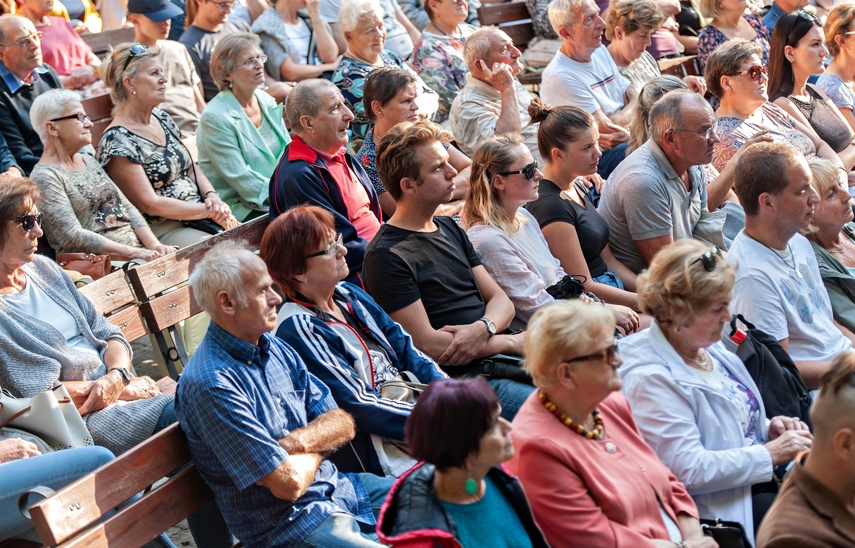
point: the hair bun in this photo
(538, 110)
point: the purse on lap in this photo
(50, 417)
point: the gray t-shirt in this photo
(180, 101)
(200, 43)
(645, 198)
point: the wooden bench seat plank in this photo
(102, 42)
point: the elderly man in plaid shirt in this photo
(259, 424)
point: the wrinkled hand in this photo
(500, 76)
(625, 317)
(219, 212)
(140, 388)
(788, 445)
(164, 250)
(16, 449)
(611, 135)
(759, 137)
(82, 76)
(145, 254)
(101, 393)
(468, 343)
(780, 424)
(594, 181)
(696, 84)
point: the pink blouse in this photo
(62, 47)
(594, 492)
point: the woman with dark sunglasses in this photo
(798, 52)
(736, 75)
(507, 237)
(693, 399)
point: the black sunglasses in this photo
(808, 16)
(609, 355)
(133, 51)
(708, 259)
(29, 221)
(528, 171)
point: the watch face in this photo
(491, 327)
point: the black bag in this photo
(728, 534)
(505, 366)
(205, 225)
(781, 385)
(567, 288)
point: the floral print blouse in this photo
(350, 75)
(439, 61)
(167, 167)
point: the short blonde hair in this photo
(677, 285)
(824, 175)
(561, 331)
(120, 63)
(710, 9)
(631, 15)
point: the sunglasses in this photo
(330, 250)
(708, 259)
(80, 117)
(133, 51)
(528, 171)
(809, 16)
(609, 355)
(753, 72)
(29, 221)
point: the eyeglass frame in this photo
(223, 6)
(81, 117)
(760, 69)
(330, 250)
(257, 60)
(136, 49)
(608, 355)
(25, 41)
(708, 259)
(713, 130)
(29, 219)
(530, 167)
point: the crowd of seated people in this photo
(429, 215)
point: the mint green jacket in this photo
(233, 154)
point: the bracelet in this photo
(210, 192)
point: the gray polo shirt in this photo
(645, 198)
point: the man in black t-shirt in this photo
(424, 271)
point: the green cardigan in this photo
(234, 155)
(839, 282)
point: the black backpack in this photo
(781, 385)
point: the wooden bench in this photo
(164, 297)
(72, 516)
(103, 42)
(100, 111)
(113, 298)
(680, 66)
(514, 20)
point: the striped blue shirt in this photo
(235, 401)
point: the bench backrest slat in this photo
(101, 42)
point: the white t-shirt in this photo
(298, 36)
(590, 86)
(770, 294)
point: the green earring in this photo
(471, 487)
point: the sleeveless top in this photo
(830, 127)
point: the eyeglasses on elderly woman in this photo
(609, 355)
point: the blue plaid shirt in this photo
(234, 401)
(13, 82)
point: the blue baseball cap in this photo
(156, 10)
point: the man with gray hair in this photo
(659, 192)
(815, 504)
(584, 75)
(259, 425)
(492, 102)
(317, 169)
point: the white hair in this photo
(220, 269)
(564, 13)
(49, 105)
(353, 10)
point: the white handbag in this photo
(50, 416)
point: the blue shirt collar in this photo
(239, 349)
(13, 82)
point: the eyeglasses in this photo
(253, 61)
(809, 16)
(330, 250)
(224, 5)
(528, 171)
(708, 259)
(25, 41)
(708, 134)
(609, 355)
(29, 221)
(753, 72)
(133, 51)
(80, 117)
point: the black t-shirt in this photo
(592, 230)
(402, 266)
